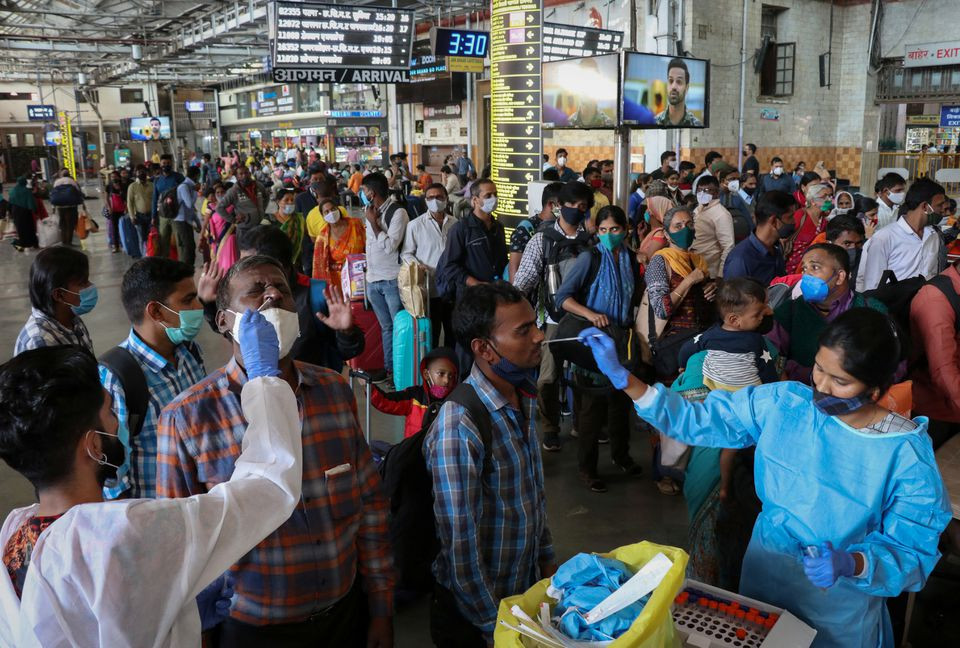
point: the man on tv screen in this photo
(155, 125)
(676, 114)
(588, 114)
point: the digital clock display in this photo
(461, 42)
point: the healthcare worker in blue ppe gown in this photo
(834, 471)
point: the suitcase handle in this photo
(362, 375)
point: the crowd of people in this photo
(773, 334)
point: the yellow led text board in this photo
(66, 144)
(515, 48)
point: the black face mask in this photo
(572, 215)
(165, 170)
(142, 177)
(766, 325)
(748, 190)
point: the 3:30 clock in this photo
(461, 42)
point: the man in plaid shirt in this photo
(304, 585)
(492, 520)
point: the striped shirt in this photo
(338, 530)
(41, 330)
(492, 524)
(138, 474)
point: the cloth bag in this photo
(412, 282)
(48, 231)
(652, 629)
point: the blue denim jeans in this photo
(385, 299)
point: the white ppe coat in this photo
(126, 573)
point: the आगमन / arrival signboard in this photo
(569, 41)
(515, 103)
(327, 43)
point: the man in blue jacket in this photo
(167, 179)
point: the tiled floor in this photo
(632, 510)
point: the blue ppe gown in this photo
(820, 479)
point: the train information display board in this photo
(570, 41)
(515, 104)
(309, 38)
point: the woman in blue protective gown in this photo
(853, 502)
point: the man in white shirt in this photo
(890, 194)
(424, 242)
(713, 225)
(386, 226)
(909, 246)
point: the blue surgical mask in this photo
(814, 289)
(190, 323)
(88, 299)
(288, 209)
(524, 380)
(364, 199)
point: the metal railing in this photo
(918, 165)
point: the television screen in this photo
(51, 138)
(665, 91)
(581, 92)
(145, 129)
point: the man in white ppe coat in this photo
(127, 573)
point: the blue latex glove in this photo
(824, 570)
(214, 602)
(259, 345)
(605, 354)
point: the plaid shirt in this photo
(530, 272)
(492, 525)
(41, 330)
(138, 474)
(340, 525)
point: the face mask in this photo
(612, 241)
(834, 406)
(607, 177)
(288, 209)
(933, 217)
(436, 206)
(748, 190)
(733, 186)
(854, 254)
(142, 177)
(896, 198)
(88, 299)
(704, 198)
(489, 205)
(112, 453)
(440, 391)
(332, 217)
(786, 230)
(778, 171)
(522, 379)
(685, 192)
(561, 161)
(572, 215)
(364, 199)
(285, 323)
(596, 183)
(841, 210)
(826, 206)
(639, 192)
(165, 170)
(674, 164)
(190, 323)
(814, 289)
(682, 239)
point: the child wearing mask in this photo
(420, 403)
(718, 487)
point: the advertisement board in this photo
(581, 93)
(148, 129)
(665, 91)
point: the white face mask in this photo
(897, 198)
(288, 209)
(840, 211)
(436, 206)
(685, 192)
(285, 323)
(674, 164)
(562, 160)
(733, 186)
(332, 217)
(777, 171)
(704, 198)
(489, 205)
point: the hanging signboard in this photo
(515, 104)
(41, 112)
(66, 144)
(309, 40)
(570, 41)
(928, 54)
(465, 64)
(949, 116)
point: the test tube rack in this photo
(709, 617)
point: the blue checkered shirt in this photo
(492, 524)
(41, 330)
(138, 474)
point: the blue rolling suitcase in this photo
(412, 337)
(129, 239)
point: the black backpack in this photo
(65, 195)
(896, 295)
(168, 205)
(560, 252)
(133, 382)
(409, 486)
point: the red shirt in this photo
(936, 384)
(808, 231)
